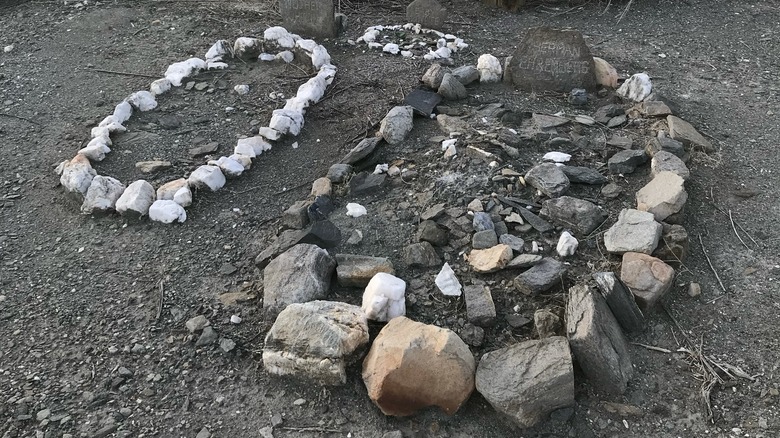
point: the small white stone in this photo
(77, 175)
(160, 86)
(243, 160)
(252, 146)
(230, 168)
(567, 245)
(636, 88)
(384, 297)
(558, 157)
(380, 168)
(280, 36)
(142, 101)
(355, 210)
(235, 319)
(447, 282)
(207, 176)
(241, 89)
(183, 196)
(243, 45)
(122, 112)
(177, 71)
(391, 48)
(136, 198)
(489, 68)
(167, 212)
(269, 134)
(8, 48)
(218, 50)
(102, 194)
(286, 56)
(268, 57)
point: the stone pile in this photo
(102, 194)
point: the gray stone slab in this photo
(309, 18)
(480, 308)
(428, 13)
(621, 301)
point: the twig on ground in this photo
(122, 73)
(625, 11)
(734, 227)
(304, 184)
(20, 118)
(140, 30)
(161, 300)
(312, 429)
(709, 262)
(651, 347)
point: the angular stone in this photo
(546, 323)
(665, 144)
(548, 179)
(596, 341)
(357, 270)
(620, 141)
(567, 245)
(397, 124)
(152, 166)
(648, 278)
(514, 242)
(472, 335)
(636, 88)
(362, 150)
(524, 261)
(451, 125)
(673, 248)
(484, 239)
(655, 108)
(611, 191)
(529, 380)
(482, 221)
(606, 112)
(580, 215)
(635, 231)
(480, 308)
(625, 162)
(296, 215)
(584, 175)
(667, 162)
(423, 102)
(320, 209)
(621, 301)
(428, 13)
(429, 231)
(205, 149)
(433, 212)
(489, 67)
(617, 121)
(554, 60)
(316, 341)
(136, 199)
(321, 187)
(365, 183)
(545, 122)
(421, 255)
(466, 74)
(433, 76)
(197, 323)
(207, 337)
(102, 195)
(664, 196)
(412, 366)
(309, 18)
(685, 133)
(490, 260)
(535, 221)
(384, 297)
(542, 277)
(298, 275)
(451, 88)
(338, 173)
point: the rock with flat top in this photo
(580, 215)
(647, 277)
(136, 199)
(300, 274)
(490, 260)
(668, 162)
(397, 124)
(384, 297)
(480, 308)
(354, 270)
(621, 301)
(685, 133)
(102, 195)
(541, 277)
(635, 231)
(664, 196)
(549, 179)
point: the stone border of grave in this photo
(446, 44)
(167, 203)
(528, 380)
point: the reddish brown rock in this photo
(413, 365)
(648, 278)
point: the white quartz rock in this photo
(567, 245)
(280, 36)
(447, 282)
(218, 50)
(267, 57)
(306, 45)
(241, 89)
(355, 210)
(269, 134)
(101, 132)
(384, 297)
(286, 56)
(167, 212)
(319, 57)
(95, 150)
(242, 159)
(160, 86)
(136, 199)
(207, 176)
(143, 100)
(216, 66)
(252, 146)
(391, 48)
(489, 68)
(102, 195)
(122, 112)
(230, 167)
(558, 157)
(287, 121)
(636, 88)
(183, 196)
(177, 71)
(77, 175)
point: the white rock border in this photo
(446, 45)
(76, 175)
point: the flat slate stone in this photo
(621, 301)
(555, 60)
(580, 215)
(535, 221)
(596, 341)
(625, 162)
(357, 270)
(309, 18)
(480, 308)
(685, 133)
(540, 278)
(548, 179)
(635, 231)
(584, 175)
(423, 102)
(362, 150)
(364, 183)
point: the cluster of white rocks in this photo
(445, 44)
(167, 203)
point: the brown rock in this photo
(685, 133)
(606, 75)
(664, 196)
(358, 270)
(321, 187)
(412, 366)
(648, 278)
(491, 259)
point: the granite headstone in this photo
(553, 60)
(309, 18)
(428, 13)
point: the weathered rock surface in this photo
(685, 133)
(673, 248)
(357, 270)
(451, 88)
(433, 76)
(102, 195)
(583, 175)
(552, 59)
(665, 144)
(625, 162)
(664, 196)
(635, 231)
(484, 239)
(596, 341)
(636, 88)
(567, 245)
(490, 260)
(528, 380)
(412, 366)
(396, 125)
(361, 151)
(300, 274)
(541, 277)
(580, 215)
(546, 323)
(668, 162)
(421, 255)
(548, 179)
(429, 231)
(648, 278)
(136, 199)
(316, 341)
(384, 297)
(466, 74)
(606, 75)
(621, 301)
(480, 308)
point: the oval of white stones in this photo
(167, 203)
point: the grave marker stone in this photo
(309, 18)
(429, 13)
(554, 60)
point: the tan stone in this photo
(321, 187)
(686, 134)
(606, 75)
(664, 196)
(648, 278)
(412, 366)
(491, 259)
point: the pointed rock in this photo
(300, 274)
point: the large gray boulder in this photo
(300, 274)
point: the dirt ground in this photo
(79, 295)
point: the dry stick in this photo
(651, 347)
(704, 250)
(625, 11)
(20, 118)
(123, 73)
(734, 227)
(312, 429)
(160, 302)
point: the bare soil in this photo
(80, 295)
